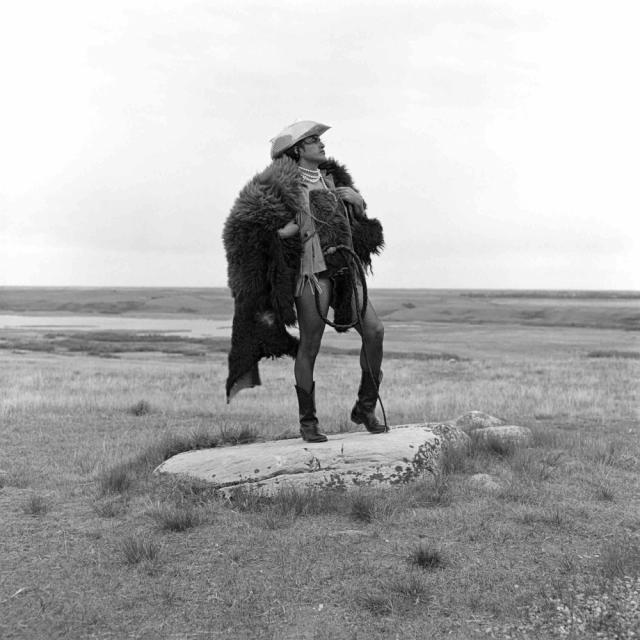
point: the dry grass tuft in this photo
(173, 444)
(192, 491)
(605, 492)
(396, 595)
(176, 517)
(535, 464)
(238, 435)
(363, 507)
(377, 603)
(140, 408)
(426, 557)
(272, 520)
(118, 479)
(429, 493)
(110, 507)
(291, 501)
(411, 586)
(137, 549)
(35, 505)
(607, 453)
(246, 500)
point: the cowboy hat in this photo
(292, 134)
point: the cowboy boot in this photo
(364, 410)
(307, 411)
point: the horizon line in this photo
(222, 287)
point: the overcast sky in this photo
(497, 141)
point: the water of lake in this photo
(193, 327)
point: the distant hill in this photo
(598, 309)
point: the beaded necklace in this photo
(310, 175)
(313, 176)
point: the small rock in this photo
(477, 420)
(506, 435)
(485, 482)
(453, 437)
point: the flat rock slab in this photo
(346, 460)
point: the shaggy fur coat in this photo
(263, 268)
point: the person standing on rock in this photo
(298, 241)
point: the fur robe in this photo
(263, 268)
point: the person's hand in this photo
(289, 229)
(350, 195)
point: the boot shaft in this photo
(307, 404)
(307, 414)
(368, 391)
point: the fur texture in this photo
(263, 268)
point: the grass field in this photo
(95, 546)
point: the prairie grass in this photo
(237, 435)
(497, 446)
(612, 353)
(428, 492)
(110, 506)
(117, 480)
(176, 517)
(363, 508)
(620, 558)
(363, 504)
(553, 553)
(412, 586)
(290, 501)
(378, 603)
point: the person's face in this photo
(312, 149)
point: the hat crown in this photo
(294, 133)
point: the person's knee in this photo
(375, 332)
(310, 344)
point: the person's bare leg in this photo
(371, 331)
(311, 328)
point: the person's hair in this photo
(293, 152)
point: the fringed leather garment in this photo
(263, 268)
